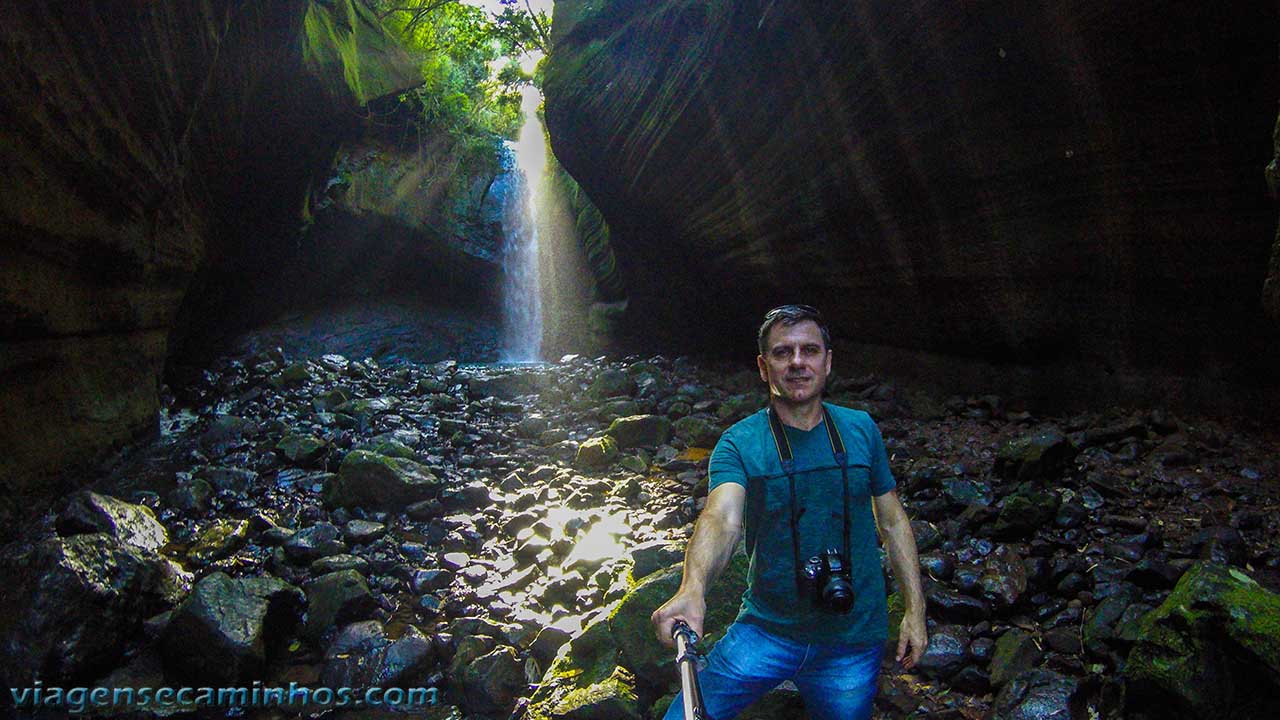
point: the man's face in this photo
(796, 362)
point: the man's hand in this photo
(912, 635)
(686, 606)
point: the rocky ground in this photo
(501, 535)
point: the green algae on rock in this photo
(1211, 650)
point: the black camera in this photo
(826, 578)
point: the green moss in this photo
(350, 51)
(1216, 624)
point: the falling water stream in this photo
(521, 300)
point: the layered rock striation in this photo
(143, 144)
(1074, 190)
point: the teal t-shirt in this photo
(746, 455)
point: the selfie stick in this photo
(688, 660)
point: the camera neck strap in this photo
(783, 446)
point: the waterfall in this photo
(521, 296)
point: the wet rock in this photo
(506, 387)
(613, 698)
(1063, 640)
(337, 599)
(938, 566)
(228, 479)
(653, 556)
(1070, 515)
(548, 642)
(640, 431)
(335, 563)
(300, 449)
(70, 604)
(611, 383)
(964, 492)
(737, 407)
(926, 534)
(362, 532)
(295, 375)
(191, 496)
(1210, 650)
(312, 543)
(430, 580)
(1040, 456)
(89, 512)
(1015, 652)
(373, 481)
(971, 679)
(1024, 512)
(953, 607)
(596, 453)
(218, 540)
(365, 409)
(223, 633)
(388, 447)
(947, 652)
(363, 656)
(1220, 544)
(226, 430)
(491, 683)
(1004, 578)
(696, 431)
(1036, 695)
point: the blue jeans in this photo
(838, 682)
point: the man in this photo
(810, 484)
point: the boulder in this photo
(223, 632)
(696, 431)
(1212, 649)
(217, 540)
(948, 651)
(640, 431)
(374, 481)
(491, 683)
(69, 605)
(89, 512)
(1026, 510)
(362, 655)
(611, 383)
(596, 453)
(310, 544)
(1038, 456)
(1036, 695)
(1015, 653)
(337, 598)
(301, 449)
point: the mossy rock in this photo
(584, 662)
(1211, 650)
(614, 698)
(301, 449)
(218, 540)
(596, 453)
(294, 375)
(696, 431)
(652, 662)
(370, 480)
(1024, 512)
(640, 431)
(1038, 456)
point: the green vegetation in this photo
(469, 99)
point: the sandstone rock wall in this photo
(1068, 190)
(142, 144)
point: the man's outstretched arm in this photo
(900, 544)
(715, 536)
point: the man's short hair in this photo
(789, 315)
